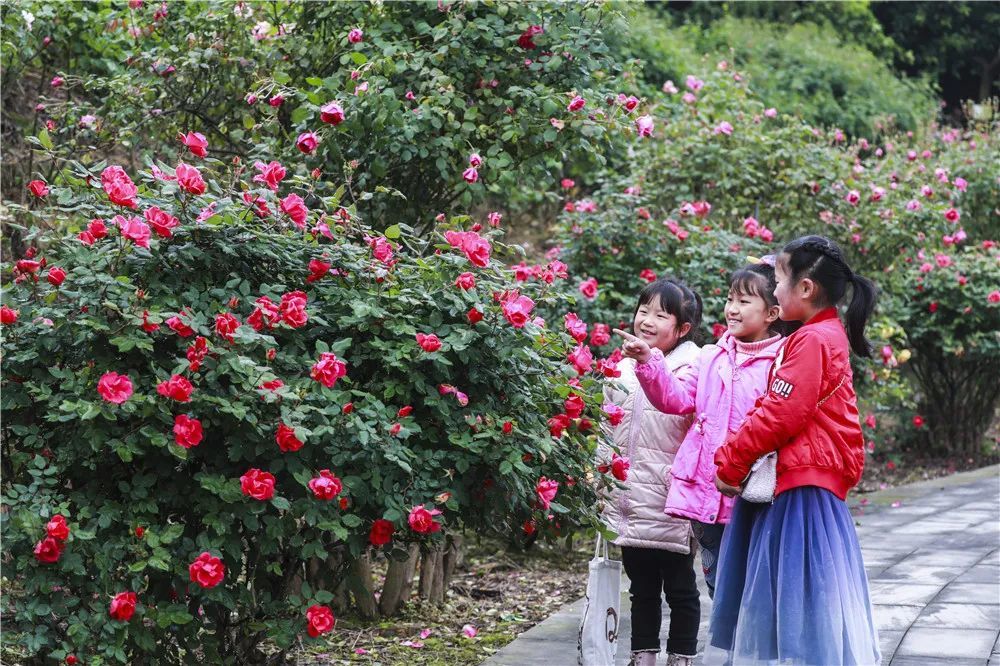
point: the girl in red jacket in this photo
(792, 587)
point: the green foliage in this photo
(808, 70)
(852, 20)
(797, 65)
(474, 89)
(111, 468)
(954, 42)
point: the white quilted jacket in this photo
(649, 439)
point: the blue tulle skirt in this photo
(792, 587)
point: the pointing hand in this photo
(634, 347)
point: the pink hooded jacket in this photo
(720, 394)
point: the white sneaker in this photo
(680, 659)
(645, 658)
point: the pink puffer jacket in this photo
(720, 394)
(649, 439)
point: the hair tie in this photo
(766, 259)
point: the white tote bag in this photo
(597, 641)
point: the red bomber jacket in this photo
(809, 415)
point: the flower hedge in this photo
(212, 382)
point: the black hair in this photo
(821, 260)
(676, 298)
(758, 280)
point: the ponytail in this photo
(823, 261)
(859, 312)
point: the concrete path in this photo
(932, 551)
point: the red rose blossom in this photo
(207, 570)
(422, 520)
(286, 439)
(38, 188)
(48, 550)
(57, 528)
(226, 325)
(429, 343)
(187, 431)
(195, 142)
(257, 484)
(328, 369)
(176, 388)
(326, 486)
(189, 178)
(123, 606)
(56, 276)
(115, 388)
(381, 532)
(320, 620)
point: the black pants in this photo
(653, 572)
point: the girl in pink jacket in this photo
(727, 379)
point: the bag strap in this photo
(597, 547)
(830, 394)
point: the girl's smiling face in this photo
(657, 327)
(748, 316)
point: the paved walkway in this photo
(932, 550)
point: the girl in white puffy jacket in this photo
(657, 549)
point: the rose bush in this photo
(402, 108)
(210, 409)
(724, 176)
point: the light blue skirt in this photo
(792, 587)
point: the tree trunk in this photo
(361, 585)
(959, 401)
(988, 77)
(398, 583)
(453, 556)
(437, 580)
(429, 570)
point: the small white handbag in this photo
(597, 640)
(759, 487)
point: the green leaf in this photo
(45, 139)
(393, 232)
(558, 508)
(91, 411)
(351, 520)
(280, 503)
(157, 563)
(172, 532)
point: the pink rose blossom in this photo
(332, 113)
(189, 178)
(723, 128)
(644, 125)
(195, 142)
(307, 142)
(134, 229)
(271, 174)
(546, 490)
